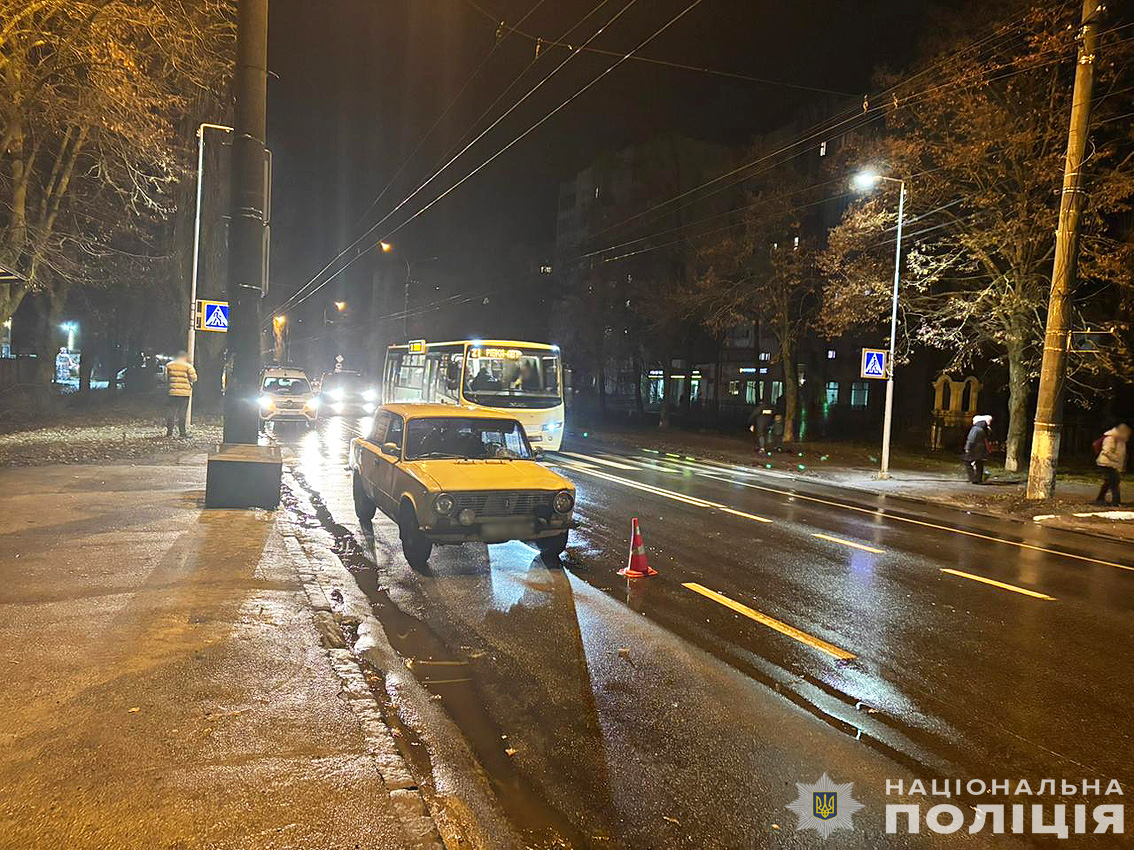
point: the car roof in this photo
(423, 410)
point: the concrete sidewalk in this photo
(938, 479)
(166, 684)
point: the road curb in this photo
(420, 830)
(460, 817)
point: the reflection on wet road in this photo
(794, 629)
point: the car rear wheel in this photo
(364, 506)
(415, 546)
(552, 547)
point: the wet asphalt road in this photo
(794, 629)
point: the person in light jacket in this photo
(180, 376)
(1111, 461)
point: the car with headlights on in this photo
(451, 475)
(286, 396)
(347, 393)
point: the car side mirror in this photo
(537, 454)
(391, 449)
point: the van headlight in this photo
(563, 502)
(551, 427)
(266, 402)
(337, 394)
(312, 404)
(444, 504)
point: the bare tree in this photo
(981, 146)
(94, 101)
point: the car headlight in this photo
(444, 504)
(312, 404)
(337, 394)
(370, 395)
(266, 402)
(552, 426)
(563, 502)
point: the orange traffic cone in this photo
(637, 566)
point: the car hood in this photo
(463, 475)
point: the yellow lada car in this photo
(448, 474)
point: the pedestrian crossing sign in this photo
(874, 363)
(212, 316)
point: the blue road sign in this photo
(873, 363)
(212, 316)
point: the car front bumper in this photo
(496, 529)
(296, 415)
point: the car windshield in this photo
(466, 438)
(348, 381)
(512, 377)
(286, 386)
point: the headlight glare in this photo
(337, 394)
(370, 395)
(312, 404)
(266, 402)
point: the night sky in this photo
(356, 83)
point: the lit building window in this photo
(764, 355)
(832, 392)
(734, 387)
(777, 391)
(822, 149)
(795, 244)
(859, 394)
(751, 392)
(830, 354)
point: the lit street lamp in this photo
(340, 306)
(864, 181)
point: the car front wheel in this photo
(415, 546)
(364, 506)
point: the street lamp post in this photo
(191, 343)
(864, 181)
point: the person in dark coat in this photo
(758, 424)
(976, 448)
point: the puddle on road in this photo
(449, 676)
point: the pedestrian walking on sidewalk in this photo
(180, 376)
(1111, 461)
(977, 448)
(758, 424)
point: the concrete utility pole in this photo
(246, 234)
(242, 474)
(1049, 405)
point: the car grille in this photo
(501, 503)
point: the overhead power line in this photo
(370, 230)
(541, 43)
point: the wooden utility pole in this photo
(246, 228)
(1049, 405)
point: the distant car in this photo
(286, 396)
(448, 474)
(346, 392)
